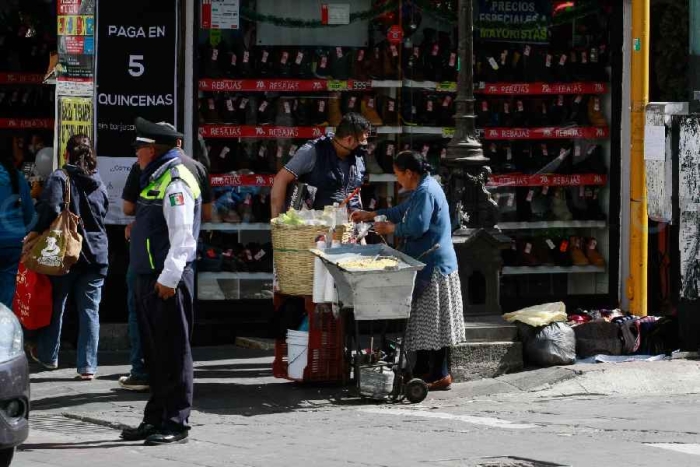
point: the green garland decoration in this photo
(252, 15)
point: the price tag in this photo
(234, 59)
(370, 102)
(259, 255)
(244, 102)
(582, 191)
(496, 196)
(263, 106)
(596, 104)
(545, 190)
(511, 199)
(300, 58)
(447, 101)
(530, 195)
(521, 107)
(293, 150)
(246, 56)
(372, 204)
(392, 105)
(453, 60)
(443, 153)
(284, 58)
(562, 154)
(264, 56)
(591, 149)
(287, 108)
(448, 132)
(564, 246)
(436, 50)
(339, 52)
(493, 63)
(447, 86)
(548, 61)
(280, 152)
(484, 106)
(592, 244)
(324, 62)
(212, 106)
(506, 108)
(351, 102)
(224, 151)
(361, 55)
(429, 106)
(335, 85)
(545, 152)
(584, 57)
(321, 106)
(562, 60)
(578, 99)
(390, 150)
(229, 105)
(509, 153)
(550, 244)
(214, 55)
(425, 150)
(262, 151)
(528, 248)
(560, 101)
(394, 51)
(577, 151)
(527, 51)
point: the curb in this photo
(255, 343)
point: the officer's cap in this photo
(155, 133)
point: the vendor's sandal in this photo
(443, 384)
(84, 377)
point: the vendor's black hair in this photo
(76, 140)
(413, 161)
(352, 124)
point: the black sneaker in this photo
(143, 431)
(130, 383)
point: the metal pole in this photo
(639, 229)
(464, 146)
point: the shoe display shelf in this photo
(10, 113)
(518, 270)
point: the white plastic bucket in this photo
(297, 353)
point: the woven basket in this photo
(294, 263)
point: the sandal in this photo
(84, 377)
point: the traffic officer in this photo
(163, 247)
(332, 164)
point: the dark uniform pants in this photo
(166, 328)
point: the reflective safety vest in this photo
(150, 241)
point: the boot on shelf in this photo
(369, 110)
(578, 257)
(595, 114)
(594, 257)
(560, 208)
(322, 63)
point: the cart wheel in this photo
(416, 390)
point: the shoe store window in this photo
(27, 106)
(273, 75)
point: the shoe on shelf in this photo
(32, 351)
(594, 257)
(132, 383)
(443, 384)
(369, 110)
(595, 114)
(166, 436)
(578, 257)
(143, 431)
(560, 209)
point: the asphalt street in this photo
(626, 414)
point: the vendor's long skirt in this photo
(437, 316)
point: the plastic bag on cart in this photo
(554, 344)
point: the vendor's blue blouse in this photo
(422, 221)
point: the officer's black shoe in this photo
(143, 431)
(166, 437)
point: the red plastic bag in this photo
(33, 301)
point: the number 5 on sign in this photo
(136, 68)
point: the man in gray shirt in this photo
(333, 164)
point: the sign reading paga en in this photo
(513, 21)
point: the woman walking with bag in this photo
(16, 214)
(84, 281)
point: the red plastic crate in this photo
(326, 355)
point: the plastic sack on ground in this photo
(539, 315)
(598, 337)
(554, 344)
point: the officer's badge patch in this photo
(177, 199)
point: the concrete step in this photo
(489, 328)
(478, 360)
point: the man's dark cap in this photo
(153, 133)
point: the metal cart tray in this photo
(374, 294)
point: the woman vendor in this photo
(422, 221)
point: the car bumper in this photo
(14, 386)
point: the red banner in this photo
(291, 132)
(241, 180)
(20, 123)
(516, 180)
(544, 133)
(68, 7)
(206, 14)
(281, 85)
(21, 78)
(517, 89)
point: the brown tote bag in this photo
(58, 248)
